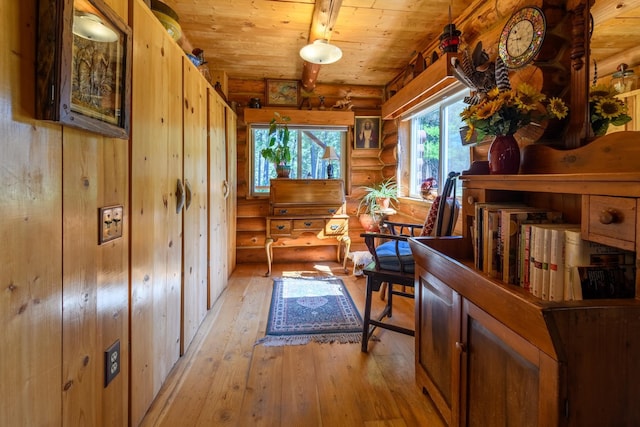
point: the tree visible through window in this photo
(436, 144)
(308, 145)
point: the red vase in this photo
(504, 155)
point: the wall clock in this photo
(522, 37)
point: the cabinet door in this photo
(506, 381)
(194, 268)
(218, 236)
(231, 194)
(437, 332)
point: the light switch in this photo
(110, 223)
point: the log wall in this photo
(365, 167)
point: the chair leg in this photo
(367, 316)
(389, 299)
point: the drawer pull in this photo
(461, 347)
(609, 216)
(283, 211)
(307, 224)
(334, 227)
(471, 200)
(280, 227)
(332, 211)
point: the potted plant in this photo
(278, 150)
(375, 203)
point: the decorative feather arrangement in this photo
(478, 73)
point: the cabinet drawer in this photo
(335, 227)
(308, 224)
(280, 227)
(307, 210)
(611, 220)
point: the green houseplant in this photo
(377, 198)
(278, 151)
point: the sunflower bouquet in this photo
(605, 109)
(503, 112)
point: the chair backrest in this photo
(443, 213)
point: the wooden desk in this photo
(300, 207)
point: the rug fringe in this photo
(278, 341)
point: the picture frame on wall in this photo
(285, 93)
(84, 69)
(367, 132)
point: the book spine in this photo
(537, 248)
(546, 255)
(556, 266)
(525, 259)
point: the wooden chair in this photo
(393, 261)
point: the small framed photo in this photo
(84, 66)
(367, 131)
(284, 93)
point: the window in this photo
(436, 145)
(308, 145)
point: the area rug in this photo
(311, 309)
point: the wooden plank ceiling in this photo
(256, 39)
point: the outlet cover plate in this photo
(110, 223)
(111, 362)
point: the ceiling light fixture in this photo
(321, 52)
(89, 26)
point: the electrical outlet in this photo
(111, 362)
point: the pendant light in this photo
(321, 52)
(90, 26)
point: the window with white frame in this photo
(308, 145)
(436, 144)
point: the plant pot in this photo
(283, 171)
(504, 155)
(369, 223)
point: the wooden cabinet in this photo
(489, 353)
(307, 207)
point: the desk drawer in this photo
(307, 211)
(315, 224)
(611, 220)
(335, 227)
(280, 227)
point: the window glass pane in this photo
(436, 145)
(308, 146)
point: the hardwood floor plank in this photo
(224, 379)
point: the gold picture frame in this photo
(367, 132)
(84, 67)
(282, 93)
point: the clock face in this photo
(522, 37)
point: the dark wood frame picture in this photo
(360, 131)
(84, 81)
(285, 93)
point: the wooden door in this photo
(194, 264)
(231, 192)
(437, 332)
(218, 232)
(156, 226)
(506, 380)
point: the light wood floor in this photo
(224, 380)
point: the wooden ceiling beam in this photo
(325, 15)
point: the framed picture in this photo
(367, 131)
(282, 92)
(84, 68)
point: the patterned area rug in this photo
(317, 309)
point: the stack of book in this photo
(532, 248)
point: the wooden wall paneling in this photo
(232, 184)
(156, 228)
(218, 233)
(113, 278)
(82, 359)
(31, 235)
(194, 243)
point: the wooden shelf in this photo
(300, 117)
(432, 81)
